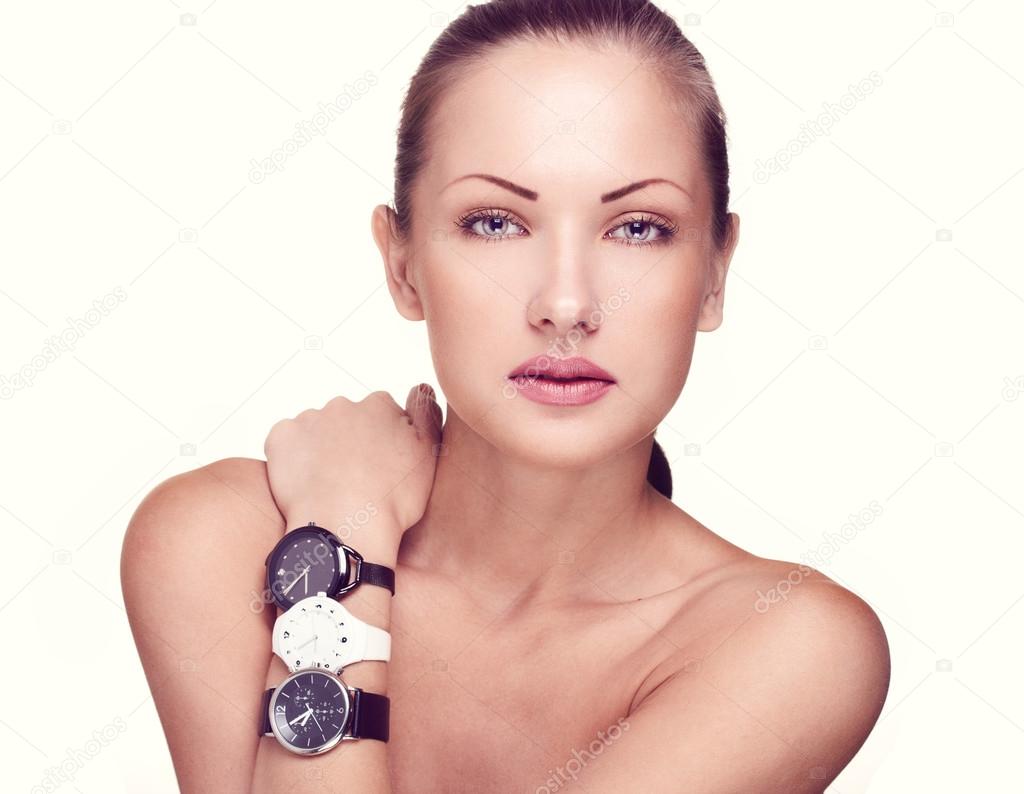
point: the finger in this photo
(424, 410)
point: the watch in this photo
(312, 711)
(311, 559)
(320, 632)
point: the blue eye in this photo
(638, 230)
(492, 221)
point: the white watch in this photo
(319, 632)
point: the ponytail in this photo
(658, 472)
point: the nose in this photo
(566, 299)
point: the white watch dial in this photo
(315, 632)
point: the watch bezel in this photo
(341, 572)
(331, 743)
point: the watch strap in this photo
(378, 645)
(371, 715)
(380, 575)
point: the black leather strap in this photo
(380, 575)
(371, 715)
(265, 713)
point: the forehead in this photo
(547, 115)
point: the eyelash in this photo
(465, 225)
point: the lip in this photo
(583, 381)
(576, 367)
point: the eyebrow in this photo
(533, 195)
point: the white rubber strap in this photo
(378, 644)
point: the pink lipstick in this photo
(561, 381)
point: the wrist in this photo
(374, 534)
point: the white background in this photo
(871, 350)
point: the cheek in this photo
(659, 328)
(468, 325)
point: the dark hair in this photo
(639, 25)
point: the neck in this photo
(510, 527)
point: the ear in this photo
(711, 310)
(397, 257)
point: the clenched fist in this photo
(353, 456)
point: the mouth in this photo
(564, 371)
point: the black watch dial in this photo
(303, 563)
(309, 711)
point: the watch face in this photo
(317, 632)
(303, 563)
(309, 711)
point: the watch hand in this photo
(305, 714)
(303, 574)
(308, 713)
(307, 642)
(318, 723)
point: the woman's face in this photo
(571, 125)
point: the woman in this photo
(558, 623)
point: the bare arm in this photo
(353, 765)
(370, 460)
(191, 574)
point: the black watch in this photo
(311, 559)
(312, 711)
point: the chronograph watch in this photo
(311, 559)
(312, 711)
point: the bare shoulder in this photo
(772, 690)
(205, 509)
(228, 495)
(796, 661)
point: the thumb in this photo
(422, 407)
